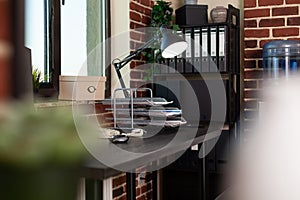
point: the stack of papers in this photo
(144, 111)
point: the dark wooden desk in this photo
(159, 148)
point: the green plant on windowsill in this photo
(41, 154)
(36, 79)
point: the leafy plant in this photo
(35, 138)
(36, 79)
(41, 155)
(161, 16)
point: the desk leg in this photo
(130, 186)
(154, 185)
(204, 172)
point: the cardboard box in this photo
(79, 88)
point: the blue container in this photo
(281, 58)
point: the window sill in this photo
(60, 104)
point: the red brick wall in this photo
(264, 20)
(119, 187)
(143, 189)
(5, 47)
(140, 12)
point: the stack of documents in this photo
(144, 111)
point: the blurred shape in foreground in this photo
(40, 153)
(269, 163)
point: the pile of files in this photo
(137, 112)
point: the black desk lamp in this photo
(171, 46)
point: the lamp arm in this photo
(119, 64)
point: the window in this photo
(34, 33)
(62, 33)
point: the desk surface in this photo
(166, 146)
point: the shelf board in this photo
(194, 76)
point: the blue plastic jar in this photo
(281, 58)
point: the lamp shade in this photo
(172, 45)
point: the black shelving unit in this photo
(213, 49)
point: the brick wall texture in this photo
(5, 48)
(143, 189)
(140, 12)
(264, 20)
(140, 17)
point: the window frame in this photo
(54, 47)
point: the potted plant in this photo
(161, 15)
(40, 154)
(36, 79)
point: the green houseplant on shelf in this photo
(41, 154)
(161, 16)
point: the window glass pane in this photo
(73, 36)
(81, 34)
(34, 32)
(82, 31)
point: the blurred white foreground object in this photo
(269, 164)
